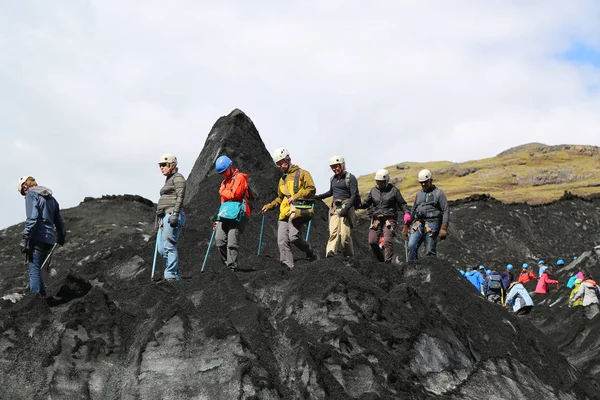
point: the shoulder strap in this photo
(348, 175)
(296, 181)
(232, 181)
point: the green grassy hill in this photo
(534, 173)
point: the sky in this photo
(93, 92)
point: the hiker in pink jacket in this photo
(544, 281)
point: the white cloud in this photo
(94, 92)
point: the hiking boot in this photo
(330, 254)
(310, 255)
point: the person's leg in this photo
(283, 241)
(334, 235)
(233, 238)
(221, 240)
(414, 241)
(36, 259)
(296, 237)
(172, 255)
(591, 311)
(431, 240)
(346, 237)
(375, 233)
(388, 241)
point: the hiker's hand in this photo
(407, 218)
(174, 220)
(442, 234)
(291, 199)
(215, 225)
(24, 244)
(60, 240)
(388, 224)
(264, 209)
(405, 232)
(343, 212)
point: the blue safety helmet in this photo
(481, 267)
(222, 164)
(509, 267)
(525, 265)
(560, 262)
(489, 271)
(541, 262)
(575, 258)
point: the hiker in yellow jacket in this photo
(295, 198)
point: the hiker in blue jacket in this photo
(475, 278)
(43, 228)
(492, 287)
(519, 298)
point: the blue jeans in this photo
(418, 235)
(36, 260)
(167, 245)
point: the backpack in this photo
(495, 282)
(357, 200)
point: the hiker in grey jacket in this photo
(587, 292)
(43, 228)
(384, 202)
(170, 215)
(430, 215)
(344, 189)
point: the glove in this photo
(174, 220)
(25, 244)
(60, 240)
(215, 225)
(405, 232)
(343, 212)
(407, 218)
(160, 213)
(442, 234)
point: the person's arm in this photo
(443, 202)
(400, 202)
(179, 183)
(579, 293)
(61, 233)
(325, 195)
(278, 199)
(31, 212)
(353, 192)
(367, 203)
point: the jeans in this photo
(167, 245)
(36, 260)
(423, 232)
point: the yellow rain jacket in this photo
(295, 176)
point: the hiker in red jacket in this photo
(544, 281)
(526, 275)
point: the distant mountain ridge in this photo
(532, 173)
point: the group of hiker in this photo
(425, 222)
(508, 290)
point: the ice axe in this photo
(309, 224)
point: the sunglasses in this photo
(161, 165)
(336, 166)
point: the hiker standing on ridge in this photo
(170, 215)
(234, 194)
(526, 275)
(475, 278)
(295, 199)
(588, 291)
(384, 202)
(541, 268)
(44, 227)
(519, 298)
(430, 214)
(343, 186)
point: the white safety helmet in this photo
(424, 175)
(382, 175)
(279, 154)
(336, 160)
(167, 158)
(22, 180)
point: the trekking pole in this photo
(309, 224)
(262, 225)
(208, 250)
(406, 249)
(155, 246)
(155, 253)
(47, 260)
